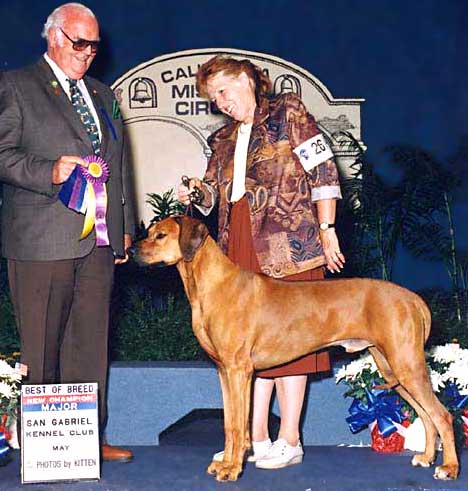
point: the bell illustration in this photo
(141, 92)
(287, 83)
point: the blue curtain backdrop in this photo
(407, 59)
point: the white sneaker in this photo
(281, 454)
(260, 450)
(218, 456)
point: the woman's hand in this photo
(331, 248)
(184, 192)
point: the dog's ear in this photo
(192, 235)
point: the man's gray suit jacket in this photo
(38, 124)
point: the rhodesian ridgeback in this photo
(247, 321)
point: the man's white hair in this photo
(57, 17)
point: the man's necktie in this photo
(85, 115)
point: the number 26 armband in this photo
(313, 152)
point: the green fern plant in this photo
(164, 205)
(146, 332)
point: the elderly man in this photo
(51, 116)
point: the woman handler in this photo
(276, 182)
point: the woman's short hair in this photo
(233, 67)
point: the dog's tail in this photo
(426, 317)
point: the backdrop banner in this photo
(168, 123)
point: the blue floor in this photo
(179, 464)
(182, 468)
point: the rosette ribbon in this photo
(85, 192)
(381, 406)
(454, 399)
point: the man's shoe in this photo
(109, 453)
(281, 454)
(260, 449)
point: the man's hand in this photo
(64, 166)
(127, 244)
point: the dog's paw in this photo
(420, 460)
(224, 471)
(213, 467)
(446, 472)
(229, 472)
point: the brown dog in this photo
(247, 321)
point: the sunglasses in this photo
(81, 44)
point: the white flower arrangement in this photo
(447, 353)
(354, 369)
(448, 370)
(447, 366)
(10, 390)
(359, 375)
(437, 380)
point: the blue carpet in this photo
(179, 468)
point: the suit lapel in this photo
(60, 100)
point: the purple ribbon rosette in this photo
(85, 192)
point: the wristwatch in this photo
(326, 226)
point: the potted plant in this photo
(381, 410)
(394, 424)
(10, 390)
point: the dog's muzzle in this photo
(134, 254)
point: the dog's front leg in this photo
(235, 385)
(227, 418)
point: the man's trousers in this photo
(62, 314)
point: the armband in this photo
(313, 152)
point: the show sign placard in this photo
(59, 432)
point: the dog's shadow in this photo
(204, 428)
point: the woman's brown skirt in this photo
(242, 253)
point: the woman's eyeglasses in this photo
(81, 44)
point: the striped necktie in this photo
(85, 115)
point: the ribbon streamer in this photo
(454, 399)
(3, 427)
(381, 406)
(108, 120)
(85, 192)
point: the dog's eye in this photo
(161, 235)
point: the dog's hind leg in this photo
(412, 374)
(384, 367)
(428, 457)
(442, 419)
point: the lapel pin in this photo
(55, 87)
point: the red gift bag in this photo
(390, 444)
(465, 425)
